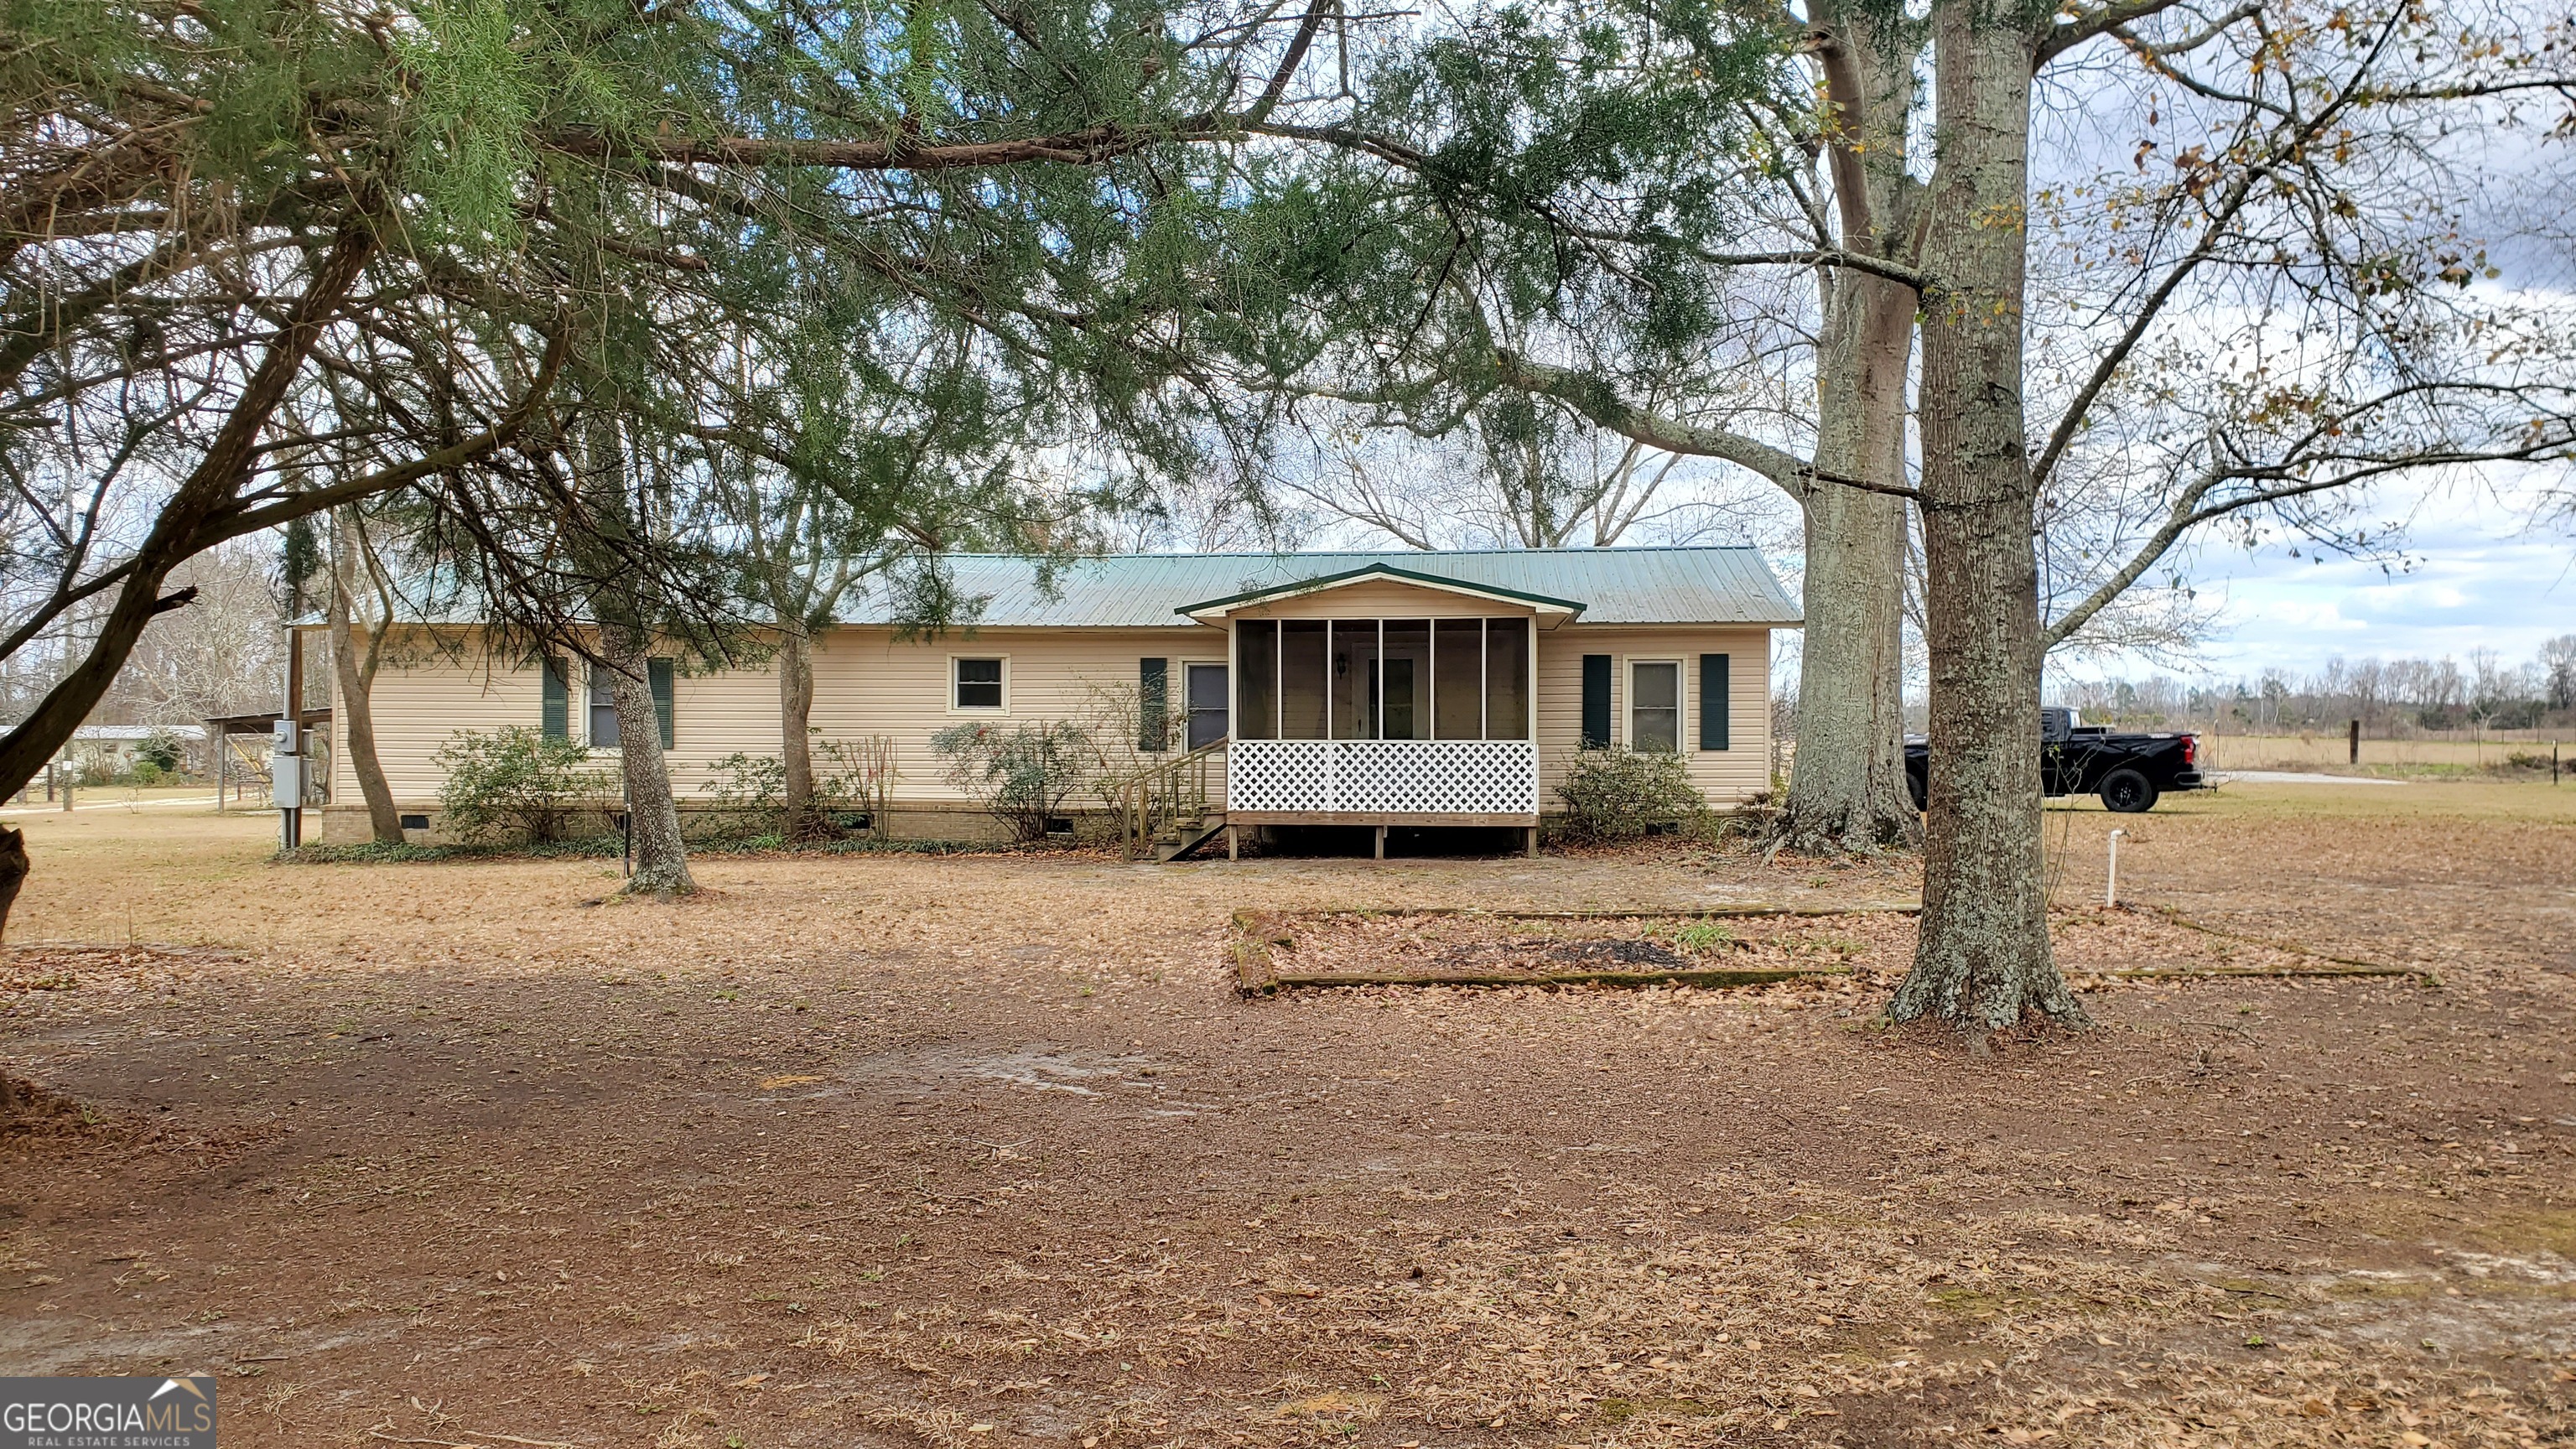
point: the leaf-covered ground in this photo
(975, 1151)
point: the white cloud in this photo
(2473, 575)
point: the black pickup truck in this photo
(2129, 771)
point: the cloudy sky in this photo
(2472, 573)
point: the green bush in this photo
(148, 773)
(751, 794)
(163, 752)
(1619, 794)
(516, 780)
(1021, 775)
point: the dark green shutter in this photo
(1712, 702)
(1596, 701)
(1153, 704)
(659, 672)
(558, 700)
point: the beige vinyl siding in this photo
(427, 690)
(1727, 777)
(866, 682)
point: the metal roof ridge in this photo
(1596, 551)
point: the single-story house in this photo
(1386, 689)
(116, 748)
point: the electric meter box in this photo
(288, 771)
(282, 737)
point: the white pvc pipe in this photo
(2111, 883)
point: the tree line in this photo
(2392, 698)
(638, 328)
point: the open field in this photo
(984, 1150)
(2331, 751)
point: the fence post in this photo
(2356, 742)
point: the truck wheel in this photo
(2126, 792)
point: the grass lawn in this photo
(893, 1150)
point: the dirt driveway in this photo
(891, 1151)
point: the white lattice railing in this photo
(1383, 777)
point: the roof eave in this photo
(1211, 610)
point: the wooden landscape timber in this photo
(1257, 932)
(2332, 965)
(1259, 936)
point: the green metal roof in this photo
(1148, 590)
(1609, 585)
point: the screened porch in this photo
(1384, 720)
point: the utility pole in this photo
(286, 757)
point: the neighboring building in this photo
(1399, 689)
(113, 749)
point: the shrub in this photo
(515, 779)
(148, 772)
(1619, 794)
(750, 791)
(162, 751)
(1022, 775)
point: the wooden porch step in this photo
(1191, 836)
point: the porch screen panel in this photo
(1256, 680)
(1355, 679)
(1507, 679)
(1458, 687)
(1404, 700)
(1301, 679)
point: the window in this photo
(658, 674)
(603, 708)
(1655, 706)
(979, 684)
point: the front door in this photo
(1206, 686)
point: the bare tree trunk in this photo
(13, 870)
(652, 813)
(175, 531)
(1983, 959)
(795, 743)
(357, 686)
(1847, 788)
(661, 855)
